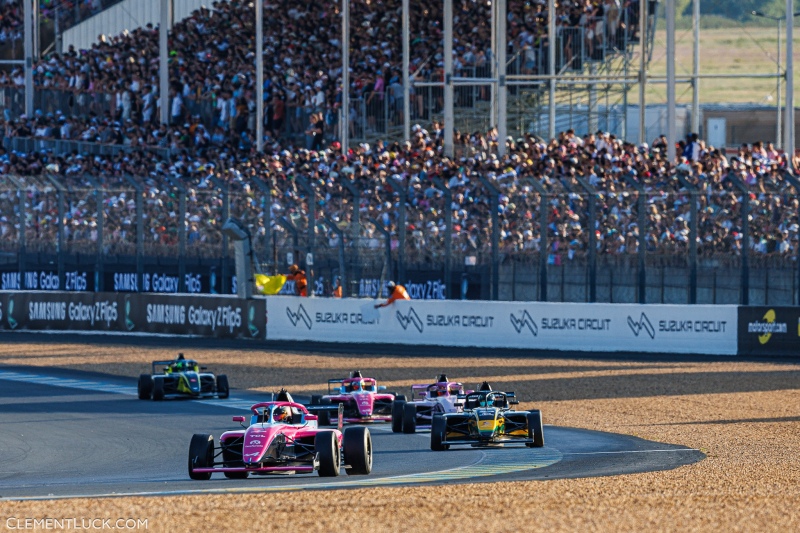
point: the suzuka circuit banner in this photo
(206, 316)
(540, 326)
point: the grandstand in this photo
(91, 182)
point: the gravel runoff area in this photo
(744, 414)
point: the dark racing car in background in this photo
(181, 378)
(487, 420)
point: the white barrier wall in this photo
(127, 15)
(697, 329)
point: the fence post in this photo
(495, 206)
(448, 233)
(342, 267)
(266, 217)
(401, 232)
(642, 251)
(21, 237)
(226, 214)
(139, 231)
(388, 236)
(744, 297)
(590, 190)
(692, 237)
(291, 228)
(355, 225)
(62, 213)
(795, 182)
(311, 229)
(542, 237)
(181, 232)
(99, 259)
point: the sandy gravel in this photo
(744, 415)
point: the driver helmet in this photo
(281, 414)
(356, 385)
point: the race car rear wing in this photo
(334, 381)
(164, 364)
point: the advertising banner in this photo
(769, 331)
(208, 316)
(533, 325)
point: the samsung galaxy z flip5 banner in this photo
(540, 326)
(207, 316)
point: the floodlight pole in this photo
(502, 90)
(259, 75)
(28, 30)
(449, 119)
(163, 58)
(345, 125)
(696, 67)
(551, 62)
(788, 134)
(643, 71)
(672, 127)
(406, 74)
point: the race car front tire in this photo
(410, 418)
(145, 386)
(201, 455)
(158, 390)
(398, 408)
(535, 429)
(357, 443)
(223, 390)
(327, 448)
(438, 428)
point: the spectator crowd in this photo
(208, 148)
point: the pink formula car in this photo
(427, 401)
(282, 438)
(360, 397)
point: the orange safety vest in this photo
(300, 282)
(399, 293)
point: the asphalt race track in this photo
(68, 434)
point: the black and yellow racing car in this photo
(181, 377)
(488, 420)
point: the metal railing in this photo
(684, 241)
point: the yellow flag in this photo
(269, 284)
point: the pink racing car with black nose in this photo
(361, 398)
(282, 437)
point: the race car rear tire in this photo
(535, 429)
(201, 455)
(316, 399)
(330, 458)
(158, 390)
(357, 444)
(438, 428)
(410, 418)
(145, 386)
(223, 390)
(400, 397)
(398, 408)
